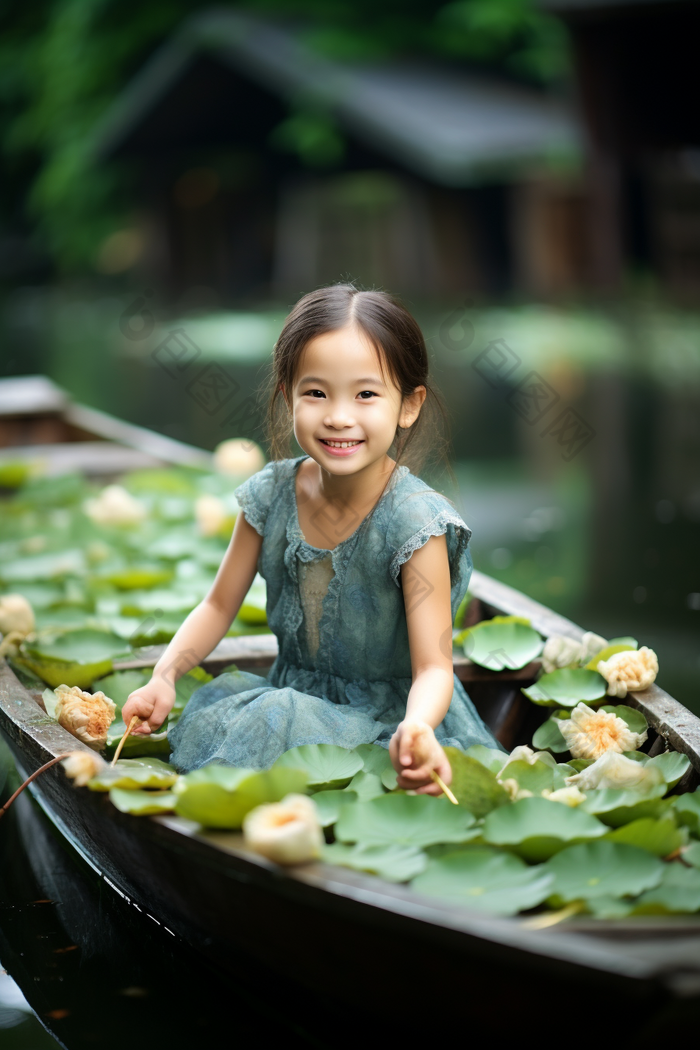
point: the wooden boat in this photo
(339, 932)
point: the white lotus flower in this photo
(287, 832)
(82, 766)
(629, 671)
(86, 715)
(613, 770)
(16, 614)
(523, 753)
(515, 792)
(560, 651)
(239, 456)
(589, 734)
(592, 644)
(211, 514)
(115, 506)
(570, 796)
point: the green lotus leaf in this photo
(560, 773)
(44, 567)
(409, 820)
(120, 684)
(602, 868)
(687, 808)
(474, 786)
(672, 764)
(485, 880)
(626, 640)
(615, 806)
(65, 672)
(633, 718)
(254, 607)
(376, 758)
(537, 829)
(14, 472)
(691, 854)
(660, 837)
(84, 645)
(580, 764)
(567, 688)
(497, 646)
(174, 481)
(366, 785)
(609, 907)
(607, 652)
(326, 765)
(392, 862)
(142, 803)
(156, 743)
(390, 778)
(133, 773)
(219, 796)
(548, 737)
(173, 545)
(678, 891)
(489, 757)
(536, 778)
(328, 804)
(134, 577)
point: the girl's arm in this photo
(201, 632)
(425, 580)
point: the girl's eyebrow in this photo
(317, 379)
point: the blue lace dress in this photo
(343, 671)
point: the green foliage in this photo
(219, 796)
(567, 688)
(142, 803)
(661, 837)
(537, 829)
(408, 820)
(132, 773)
(548, 736)
(392, 862)
(596, 869)
(485, 880)
(616, 807)
(502, 643)
(474, 786)
(325, 765)
(678, 891)
(72, 657)
(328, 804)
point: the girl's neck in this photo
(363, 488)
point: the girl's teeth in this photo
(341, 444)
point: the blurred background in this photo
(525, 175)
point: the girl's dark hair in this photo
(400, 347)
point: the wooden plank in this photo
(100, 424)
(94, 458)
(31, 395)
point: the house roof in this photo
(448, 127)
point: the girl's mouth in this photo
(336, 449)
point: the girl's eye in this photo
(370, 392)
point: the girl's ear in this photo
(411, 407)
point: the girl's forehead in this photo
(341, 355)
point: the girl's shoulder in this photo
(413, 500)
(256, 495)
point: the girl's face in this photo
(339, 396)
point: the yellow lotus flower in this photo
(239, 456)
(515, 792)
(115, 506)
(523, 753)
(82, 766)
(613, 770)
(211, 515)
(86, 715)
(589, 734)
(287, 832)
(16, 614)
(570, 796)
(629, 671)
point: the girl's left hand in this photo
(414, 754)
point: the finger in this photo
(444, 769)
(406, 750)
(429, 789)
(160, 712)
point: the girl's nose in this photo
(339, 415)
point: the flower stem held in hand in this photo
(133, 722)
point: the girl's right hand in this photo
(153, 703)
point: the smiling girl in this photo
(365, 564)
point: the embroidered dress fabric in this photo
(343, 670)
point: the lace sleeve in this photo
(416, 519)
(255, 495)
